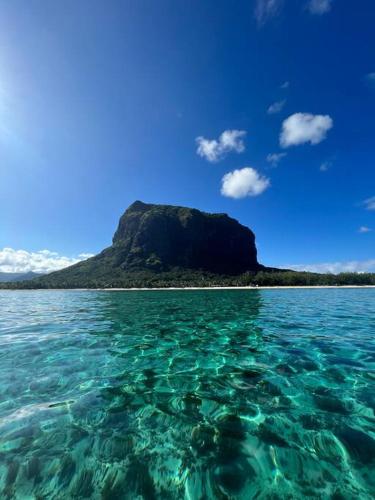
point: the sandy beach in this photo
(158, 289)
(232, 288)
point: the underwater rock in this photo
(202, 438)
(231, 477)
(139, 481)
(270, 388)
(231, 426)
(337, 374)
(77, 434)
(83, 484)
(328, 448)
(333, 405)
(229, 434)
(360, 445)
(13, 468)
(192, 404)
(116, 448)
(269, 436)
(309, 365)
(114, 486)
(311, 422)
(33, 470)
(150, 378)
(67, 470)
(285, 368)
(250, 375)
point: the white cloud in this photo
(326, 165)
(214, 150)
(285, 85)
(275, 158)
(364, 229)
(265, 9)
(84, 256)
(320, 6)
(369, 204)
(354, 266)
(276, 107)
(43, 261)
(304, 127)
(243, 182)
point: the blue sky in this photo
(103, 103)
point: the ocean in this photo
(227, 394)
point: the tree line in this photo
(181, 279)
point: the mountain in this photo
(163, 237)
(169, 246)
(12, 277)
(165, 243)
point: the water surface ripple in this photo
(187, 394)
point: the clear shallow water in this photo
(192, 394)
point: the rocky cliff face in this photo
(164, 237)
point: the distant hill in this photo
(165, 243)
(12, 277)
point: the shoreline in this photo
(235, 288)
(287, 287)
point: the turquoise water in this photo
(261, 394)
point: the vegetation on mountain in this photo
(180, 278)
